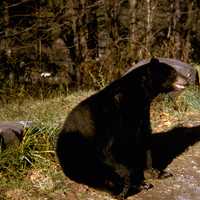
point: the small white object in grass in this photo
(45, 74)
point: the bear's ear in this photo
(154, 61)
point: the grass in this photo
(32, 165)
(168, 111)
(31, 171)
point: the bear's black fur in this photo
(104, 140)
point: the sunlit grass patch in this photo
(171, 110)
(189, 100)
(32, 166)
(36, 148)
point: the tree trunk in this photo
(133, 27)
(186, 48)
(177, 35)
(112, 17)
(66, 22)
(80, 29)
(92, 25)
(148, 29)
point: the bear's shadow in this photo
(168, 145)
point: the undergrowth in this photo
(37, 149)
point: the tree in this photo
(92, 28)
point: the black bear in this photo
(105, 139)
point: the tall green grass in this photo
(38, 144)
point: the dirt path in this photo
(177, 151)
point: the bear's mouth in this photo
(179, 86)
(180, 83)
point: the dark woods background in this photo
(85, 44)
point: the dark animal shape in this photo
(168, 145)
(11, 132)
(104, 140)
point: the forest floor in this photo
(31, 171)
